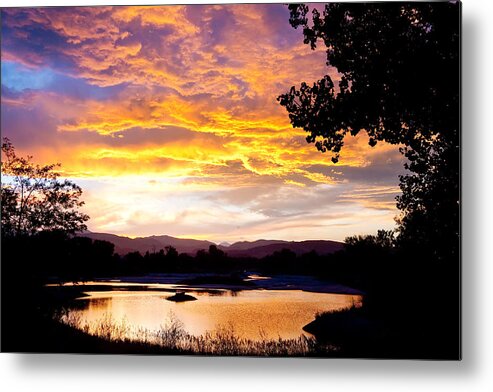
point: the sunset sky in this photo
(167, 118)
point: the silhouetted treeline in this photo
(416, 297)
(365, 262)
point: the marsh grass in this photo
(173, 338)
(352, 310)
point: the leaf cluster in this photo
(399, 73)
(34, 198)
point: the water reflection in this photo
(254, 314)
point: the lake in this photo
(256, 314)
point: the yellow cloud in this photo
(194, 110)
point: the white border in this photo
(474, 373)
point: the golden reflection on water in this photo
(253, 314)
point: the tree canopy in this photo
(35, 199)
(399, 82)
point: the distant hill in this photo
(301, 247)
(242, 245)
(258, 249)
(225, 244)
(124, 245)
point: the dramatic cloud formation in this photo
(167, 116)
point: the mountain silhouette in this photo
(269, 247)
(257, 249)
(124, 245)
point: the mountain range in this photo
(258, 249)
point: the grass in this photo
(353, 310)
(341, 324)
(172, 338)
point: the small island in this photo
(181, 297)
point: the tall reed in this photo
(173, 338)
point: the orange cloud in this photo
(192, 116)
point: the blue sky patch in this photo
(18, 77)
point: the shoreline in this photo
(173, 282)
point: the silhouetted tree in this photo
(171, 258)
(369, 261)
(383, 240)
(202, 255)
(171, 253)
(35, 199)
(215, 253)
(399, 82)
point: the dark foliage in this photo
(400, 79)
(34, 199)
(370, 263)
(399, 83)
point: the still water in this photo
(253, 314)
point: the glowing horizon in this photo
(167, 117)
